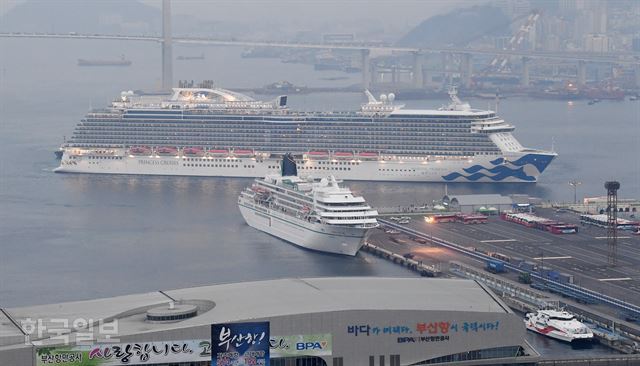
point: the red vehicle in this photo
(472, 219)
(442, 218)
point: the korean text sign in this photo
(240, 344)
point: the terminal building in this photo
(345, 321)
(480, 203)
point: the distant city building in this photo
(514, 8)
(552, 43)
(501, 43)
(596, 43)
(635, 44)
(470, 203)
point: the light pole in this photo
(429, 220)
(575, 184)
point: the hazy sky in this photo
(397, 13)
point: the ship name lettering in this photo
(157, 162)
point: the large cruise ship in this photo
(314, 214)
(217, 132)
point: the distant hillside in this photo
(82, 16)
(457, 28)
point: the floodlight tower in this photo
(612, 220)
(575, 184)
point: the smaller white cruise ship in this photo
(557, 324)
(316, 214)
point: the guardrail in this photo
(595, 361)
(617, 303)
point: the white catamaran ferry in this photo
(560, 325)
(216, 132)
(314, 214)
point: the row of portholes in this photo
(212, 165)
(323, 168)
(396, 170)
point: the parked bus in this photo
(603, 221)
(472, 219)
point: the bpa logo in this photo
(303, 346)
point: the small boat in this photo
(243, 153)
(560, 325)
(192, 151)
(343, 155)
(166, 150)
(318, 154)
(219, 152)
(139, 150)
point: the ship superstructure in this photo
(216, 132)
(316, 214)
(558, 324)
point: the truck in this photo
(524, 277)
(495, 266)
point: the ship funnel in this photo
(289, 166)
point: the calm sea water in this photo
(71, 237)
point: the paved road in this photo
(583, 254)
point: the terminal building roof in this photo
(265, 299)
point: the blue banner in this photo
(240, 344)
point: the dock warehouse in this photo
(471, 203)
(338, 321)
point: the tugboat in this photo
(558, 324)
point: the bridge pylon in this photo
(167, 47)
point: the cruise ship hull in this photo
(514, 168)
(323, 238)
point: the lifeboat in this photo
(243, 153)
(166, 150)
(343, 155)
(192, 151)
(318, 155)
(368, 155)
(139, 150)
(219, 152)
